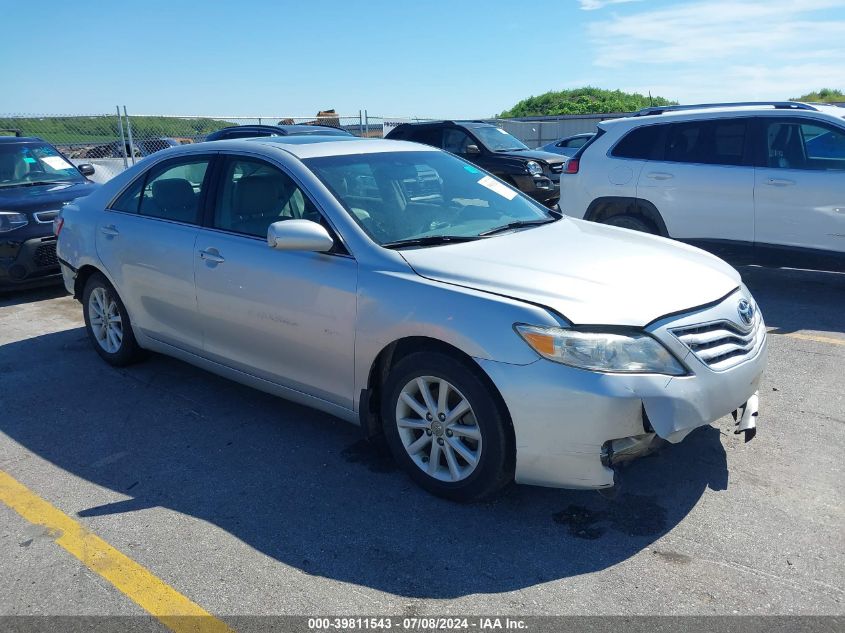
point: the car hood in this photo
(536, 154)
(43, 197)
(588, 273)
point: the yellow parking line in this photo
(812, 337)
(174, 610)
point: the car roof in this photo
(21, 139)
(470, 124)
(314, 145)
(715, 111)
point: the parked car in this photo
(534, 172)
(138, 149)
(255, 131)
(36, 180)
(569, 145)
(477, 329)
(754, 182)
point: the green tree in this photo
(825, 95)
(587, 100)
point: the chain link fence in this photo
(112, 142)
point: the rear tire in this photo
(631, 222)
(107, 323)
(446, 427)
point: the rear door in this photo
(703, 185)
(800, 189)
(146, 243)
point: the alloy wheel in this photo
(104, 317)
(438, 428)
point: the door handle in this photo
(779, 182)
(212, 256)
(110, 230)
(659, 175)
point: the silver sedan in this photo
(403, 289)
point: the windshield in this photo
(497, 140)
(28, 163)
(401, 196)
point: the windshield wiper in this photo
(431, 240)
(32, 183)
(518, 225)
(512, 149)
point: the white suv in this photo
(755, 182)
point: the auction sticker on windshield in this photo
(495, 186)
(57, 162)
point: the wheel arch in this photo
(602, 209)
(370, 398)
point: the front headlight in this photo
(9, 221)
(626, 352)
(534, 168)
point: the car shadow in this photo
(793, 300)
(303, 488)
(18, 296)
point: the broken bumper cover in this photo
(564, 417)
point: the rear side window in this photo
(642, 143)
(172, 191)
(130, 199)
(707, 142)
(428, 136)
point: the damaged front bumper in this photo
(571, 425)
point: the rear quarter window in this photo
(643, 143)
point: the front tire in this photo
(447, 428)
(107, 323)
(631, 222)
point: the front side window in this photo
(456, 141)
(400, 196)
(172, 191)
(792, 144)
(30, 163)
(254, 194)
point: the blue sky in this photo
(426, 59)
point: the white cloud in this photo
(714, 49)
(592, 5)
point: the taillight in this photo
(58, 223)
(571, 166)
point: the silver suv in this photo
(488, 337)
(754, 182)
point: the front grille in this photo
(45, 255)
(556, 169)
(721, 344)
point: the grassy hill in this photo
(99, 129)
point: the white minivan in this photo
(754, 182)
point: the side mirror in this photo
(86, 169)
(299, 235)
(472, 149)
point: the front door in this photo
(284, 316)
(800, 190)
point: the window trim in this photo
(223, 159)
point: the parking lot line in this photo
(170, 607)
(808, 337)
